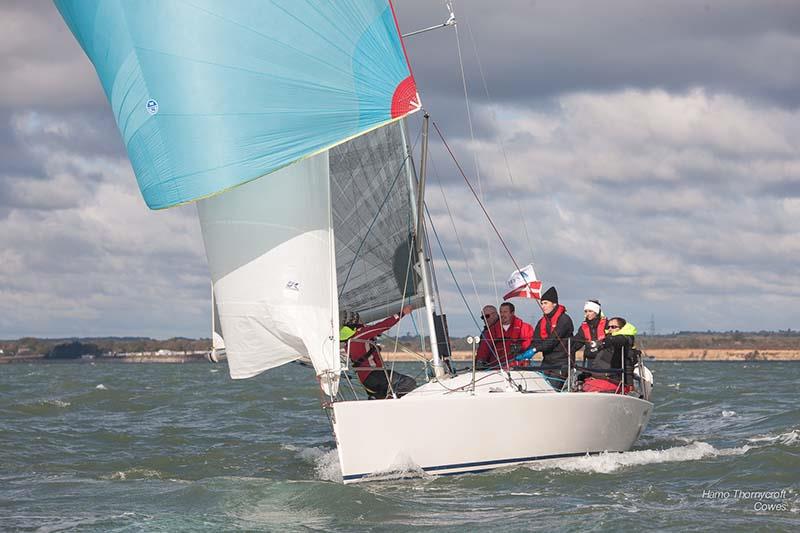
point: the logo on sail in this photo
(293, 285)
(152, 106)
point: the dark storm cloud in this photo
(536, 50)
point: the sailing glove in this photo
(527, 355)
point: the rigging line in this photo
(488, 330)
(369, 229)
(492, 340)
(475, 159)
(455, 230)
(505, 157)
(499, 138)
(475, 194)
(403, 299)
(466, 262)
(450, 268)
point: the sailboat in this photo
(285, 124)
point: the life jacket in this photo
(358, 362)
(543, 331)
(601, 330)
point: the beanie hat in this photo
(551, 295)
(592, 305)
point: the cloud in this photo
(653, 149)
(41, 63)
(646, 196)
(541, 49)
(83, 255)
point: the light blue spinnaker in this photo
(210, 94)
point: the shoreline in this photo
(665, 355)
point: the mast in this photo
(419, 232)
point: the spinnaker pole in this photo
(419, 231)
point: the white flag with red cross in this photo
(523, 284)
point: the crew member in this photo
(507, 337)
(365, 354)
(550, 338)
(489, 316)
(617, 346)
(590, 332)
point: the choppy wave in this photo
(325, 461)
(401, 468)
(789, 438)
(186, 449)
(606, 463)
(134, 473)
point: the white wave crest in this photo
(135, 473)
(325, 461)
(726, 414)
(789, 438)
(403, 467)
(101, 387)
(56, 402)
(606, 463)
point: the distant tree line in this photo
(103, 345)
(72, 350)
(98, 346)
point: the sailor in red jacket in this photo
(592, 330)
(507, 337)
(365, 353)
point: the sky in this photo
(645, 154)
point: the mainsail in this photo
(371, 195)
(306, 96)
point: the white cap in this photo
(592, 306)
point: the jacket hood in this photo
(628, 329)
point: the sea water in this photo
(159, 447)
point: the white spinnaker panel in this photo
(269, 245)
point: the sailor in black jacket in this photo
(551, 336)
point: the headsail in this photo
(236, 90)
(269, 245)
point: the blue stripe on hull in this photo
(490, 464)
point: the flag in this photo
(523, 284)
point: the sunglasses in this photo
(613, 327)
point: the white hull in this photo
(452, 431)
